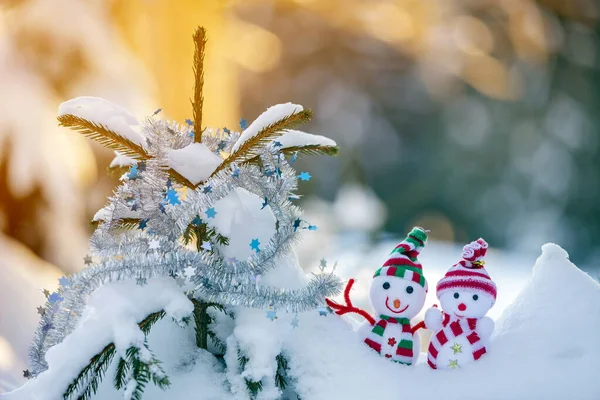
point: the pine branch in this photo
(249, 148)
(104, 136)
(307, 150)
(199, 46)
(281, 377)
(86, 383)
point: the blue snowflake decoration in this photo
(133, 172)
(211, 212)
(207, 189)
(55, 298)
(277, 144)
(236, 172)
(243, 124)
(304, 176)
(254, 245)
(64, 282)
(197, 221)
(172, 197)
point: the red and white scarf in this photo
(453, 327)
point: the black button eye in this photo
(456, 295)
(475, 297)
(409, 289)
(386, 285)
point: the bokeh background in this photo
(468, 117)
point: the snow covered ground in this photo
(538, 351)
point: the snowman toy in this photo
(397, 294)
(466, 293)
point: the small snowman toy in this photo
(397, 294)
(466, 293)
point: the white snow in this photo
(111, 315)
(293, 138)
(121, 160)
(271, 115)
(240, 218)
(101, 111)
(195, 162)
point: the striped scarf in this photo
(453, 327)
(404, 350)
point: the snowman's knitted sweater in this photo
(404, 350)
(453, 327)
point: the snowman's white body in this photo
(475, 328)
(397, 301)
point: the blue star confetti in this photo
(173, 197)
(55, 298)
(322, 311)
(254, 244)
(189, 122)
(265, 203)
(304, 176)
(227, 131)
(47, 327)
(133, 172)
(272, 315)
(236, 172)
(210, 213)
(277, 144)
(222, 145)
(294, 158)
(143, 224)
(192, 133)
(312, 228)
(207, 189)
(297, 224)
(64, 282)
(197, 221)
(243, 124)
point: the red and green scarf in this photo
(404, 349)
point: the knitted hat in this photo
(469, 272)
(403, 262)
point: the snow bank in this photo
(195, 162)
(111, 315)
(270, 116)
(104, 112)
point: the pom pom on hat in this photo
(469, 273)
(403, 262)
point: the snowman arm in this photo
(420, 325)
(485, 327)
(433, 319)
(348, 307)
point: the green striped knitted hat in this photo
(403, 262)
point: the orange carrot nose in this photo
(396, 303)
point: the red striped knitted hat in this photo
(469, 272)
(403, 262)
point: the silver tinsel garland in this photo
(156, 249)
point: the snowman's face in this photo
(396, 297)
(466, 303)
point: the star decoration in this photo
(135, 206)
(297, 224)
(457, 348)
(236, 172)
(41, 311)
(392, 341)
(265, 203)
(206, 246)
(207, 189)
(227, 131)
(157, 111)
(304, 176)
(323, 264)
(254, 244)
(222, 145)
(295, 321)
(272, 315)
(55, 298)
(243, 123)
(312, 228)
(64, 282)
(189, 272)
(453, 364)
(26, 374)
(46, 292)
(277, 144)
(87, 260)
(210, 213)
(189, 122)
(197, 221)
(47, 327)
(154, 244)
(180, 281)
(172, 197)
(322, 311)
(191, 133)
(133, 172)
(143, 224)
(141, 281)
(294, 158)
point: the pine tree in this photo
(176, 216)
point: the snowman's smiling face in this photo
(396, 297)
(466, 303)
